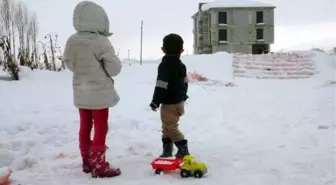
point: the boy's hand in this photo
(154, 107)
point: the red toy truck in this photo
(166, 164)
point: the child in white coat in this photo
(91, 57)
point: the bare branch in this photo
(6, 16)
(20, 14)
(33, 26)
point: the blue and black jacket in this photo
(171, 82)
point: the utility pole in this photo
(129, 58)
(141, 42)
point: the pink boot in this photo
(86, 165)
(101, 168)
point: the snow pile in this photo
(325, 65)
(209, 67)
(234, 4)
(274, 65)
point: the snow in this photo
(6, 157)
(222, 62)
(275, 66)
(258, 132)
(234, 4)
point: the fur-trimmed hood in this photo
(90, 17)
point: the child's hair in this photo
(173, 44)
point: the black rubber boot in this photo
(167, 145)
(182, 147)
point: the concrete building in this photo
(235, 27)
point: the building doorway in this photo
(258, 49)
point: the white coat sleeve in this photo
(69, 64)
(110, 60)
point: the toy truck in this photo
(192, 168)
(187, 166)
(166, 164)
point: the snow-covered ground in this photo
(259, 132)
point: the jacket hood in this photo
(90, 17)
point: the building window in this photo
(195, 24)
(260, 34)
(222, 35)
(222, 18)
(260, 17)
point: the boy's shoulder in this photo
(163, 64)
(183, 65)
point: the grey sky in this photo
(162, 17)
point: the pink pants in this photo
(97, 119)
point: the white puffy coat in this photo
(92, 88)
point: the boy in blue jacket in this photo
(171, 92)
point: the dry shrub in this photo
(10, 65)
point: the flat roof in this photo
(235, 4)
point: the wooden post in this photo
(129, 58)
(141, 42)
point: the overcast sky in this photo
(297, 21)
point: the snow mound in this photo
(234, 4)
(274, 65)
(213, 67)
(325, 65)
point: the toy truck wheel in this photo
(198, 174)
(185, 173)
(158, 171)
